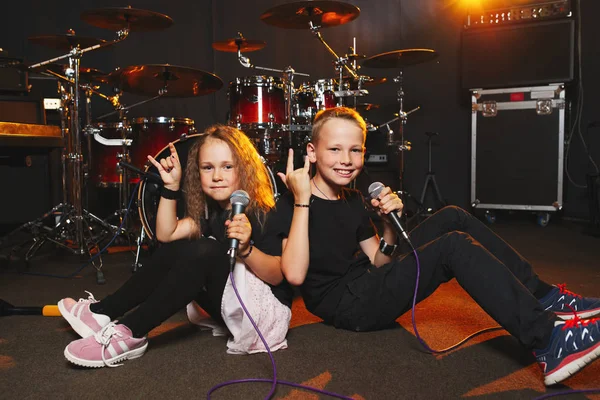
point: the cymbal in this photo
(85, 73)
(322, 13)
(149, 80)
(363, 107)
(231, 45)
(65, 41)
(366, 80)
(400, 58)
(352, 57)
(117, 18)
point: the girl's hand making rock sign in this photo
(169, 169)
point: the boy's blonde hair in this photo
(337, 112)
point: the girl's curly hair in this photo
(252, 174)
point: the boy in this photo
(325, 225)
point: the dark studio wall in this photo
(382, 26)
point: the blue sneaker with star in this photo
(565, 304)
(573, 345)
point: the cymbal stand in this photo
(75, 221)
(400, 145)
(341, 64)
(288, 77)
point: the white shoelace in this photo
(104, 337)
(90, 298)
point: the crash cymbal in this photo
(366, 80)
(322, 13)
(400, 58)
(117, 18)
(65, 41)
(233, 45)
(149, 80)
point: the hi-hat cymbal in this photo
(85, 73)
(322, 13)
(65, 41)
(364, 107)
(149, 80)
(117, 18)
(233, 45)
(366, 80)
(400, 58)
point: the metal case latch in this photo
(543, 107)
(489, 108)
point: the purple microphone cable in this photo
(274, 381)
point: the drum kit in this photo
(274, 112)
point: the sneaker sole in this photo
(82, 329)
(582, 315)
(129, 355)
(573, 367)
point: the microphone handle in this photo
(396, 222)
(236, 208)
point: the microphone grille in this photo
(239, 197)
(375, 189)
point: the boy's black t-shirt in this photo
(335, 229)
(263, 239)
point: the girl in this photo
(189, 265)
(329, 225)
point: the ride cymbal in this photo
(233, 45)
(65, 41)
(117, 18)
(322, 13)
(150, 80)
(400, 58)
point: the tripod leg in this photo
(136, 263)
(425, 186)
(437, 192)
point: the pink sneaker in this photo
(114, 343)
(77, 313)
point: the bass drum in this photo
(149, 192)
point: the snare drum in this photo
(256, 102)
(104, 170)
(150, 135)
(149, 192)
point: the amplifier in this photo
(13, 79)
(517, 12)
(518, 55)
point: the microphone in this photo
(150, 176)
(374, 190)
(239, 200)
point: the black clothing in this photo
(181, 271)
(450, 244)
(335, 256)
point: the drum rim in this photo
(256, 80)
(103, 125)
(142, 188)
(162, 120)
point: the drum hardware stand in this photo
(288, 77)
(341, 64)
(430, 179)
(70, 230)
